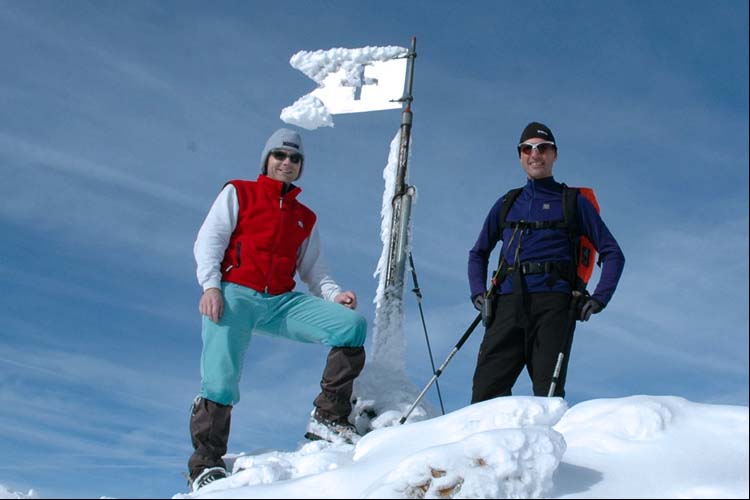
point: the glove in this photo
(478, 301)
(485, 307)
(591, 306)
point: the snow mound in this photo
(675, 448)
(494, 464)
(498, 413)
(611, 425)
(513, 447)
(504, 447)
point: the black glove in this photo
(591, 306)
(485, 307)
(478, 302)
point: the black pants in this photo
(526, 333)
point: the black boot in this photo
(209, 430)
(330, 418)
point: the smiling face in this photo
(535, 163)
(283, 165)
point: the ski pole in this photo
(434, 378)
(418, 293)
(487, 296)
(567, 341)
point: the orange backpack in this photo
(586, 250)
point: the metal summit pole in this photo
(402, 199)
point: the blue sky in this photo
(122, 120)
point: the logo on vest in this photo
(300, 224)
(545, 206)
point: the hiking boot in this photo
(332, 430)
(208, 476)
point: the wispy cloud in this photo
(22, 153)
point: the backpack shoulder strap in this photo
(570, 209)
(570, 220)
(508, 200)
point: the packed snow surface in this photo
(518, 447)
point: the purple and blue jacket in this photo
(541, 200)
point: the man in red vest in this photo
(256, 236)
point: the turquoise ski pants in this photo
(293, 315)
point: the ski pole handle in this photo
(556, 375)
(572, 314)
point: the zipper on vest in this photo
(279, 230)
(236, 258)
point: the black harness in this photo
(566, 270)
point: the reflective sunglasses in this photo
(283, 155)
(526, 148)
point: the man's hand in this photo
(346, 299)
(212, 304)
(478, 301)
(591, 306)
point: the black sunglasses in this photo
(283, 155)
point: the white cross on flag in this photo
(349, 81)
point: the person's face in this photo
(283, 165)
(537, 161)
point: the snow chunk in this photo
(318, 64)
(338, 72)
(307, 112)
(312, 458)
(515, 463)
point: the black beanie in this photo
(537, 130)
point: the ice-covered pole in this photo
(397, 252)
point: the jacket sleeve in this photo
(611, 256)
(213, 237)
(479, 255)
(313, 270)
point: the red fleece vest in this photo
(262, 252)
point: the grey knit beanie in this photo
(286, 139)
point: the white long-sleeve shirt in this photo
(216, 231)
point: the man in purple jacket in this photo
(533, 309)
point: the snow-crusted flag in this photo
(349, 81)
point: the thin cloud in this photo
(26, 154)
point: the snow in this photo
(319, 64)
(388, 347)
(514, 447)
(307, 112)
(338, 73)
(517, 447)
(383, 388)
